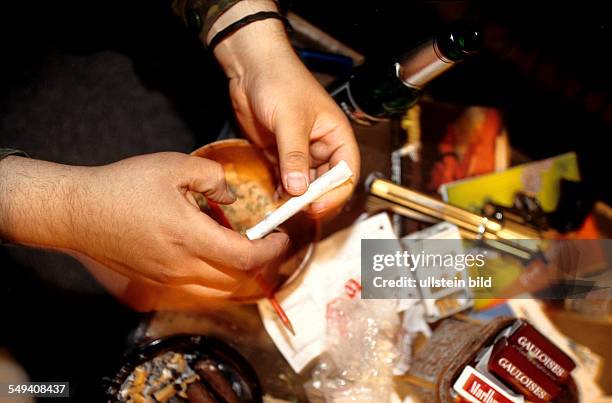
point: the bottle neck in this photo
(422, 65)
(417, 68)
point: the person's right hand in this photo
(136, 216)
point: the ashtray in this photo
(184, 368)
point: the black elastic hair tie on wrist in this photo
(235, 26)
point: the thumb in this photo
(292, 139)
(208, 178)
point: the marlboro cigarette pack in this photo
(475, 387)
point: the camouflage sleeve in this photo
(200, 15)
(5, 152)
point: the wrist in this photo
(253, 44)
(240, 10)
(39, 202)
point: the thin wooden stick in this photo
(263, 284)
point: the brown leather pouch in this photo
(453, 345)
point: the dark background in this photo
(91, 82)
(546, 64)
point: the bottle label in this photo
(342, 96)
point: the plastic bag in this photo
(359, 359)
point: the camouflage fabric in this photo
(5, 152)
(200, 15)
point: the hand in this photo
(137, 217)
(282, 108)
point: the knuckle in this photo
(174, 237)
(163, 275)
(210, 171)
(246, 261)
(193, 162)
(296, 157)
(218, 173)
(213, 170)
(172, 158)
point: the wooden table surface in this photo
(241, 326)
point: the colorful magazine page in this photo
(539, 178)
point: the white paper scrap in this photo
(335, 271)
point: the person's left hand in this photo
(282, 108)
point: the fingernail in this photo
(296, 182)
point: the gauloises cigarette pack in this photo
(478, 363)
(511, 366)
(538, 348)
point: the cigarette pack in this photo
(524, 376)
(476, 387)
(539, 348)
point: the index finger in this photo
(223, 247)
(333, 200)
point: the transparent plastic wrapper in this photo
(413, 323)
(360, 355)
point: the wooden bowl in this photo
(254, 181)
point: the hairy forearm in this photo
(39, 202)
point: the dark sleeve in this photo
(200, 15)
(5, 152)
